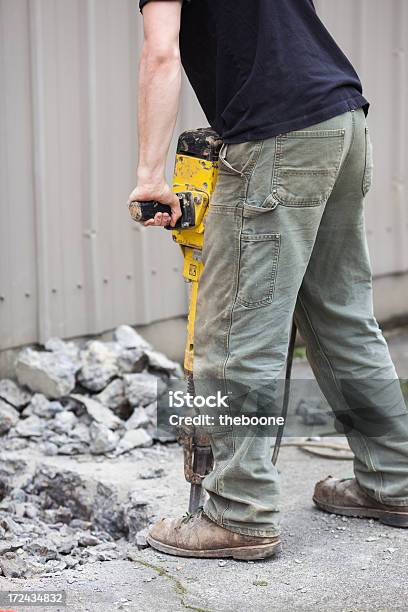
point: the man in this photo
(284, 235)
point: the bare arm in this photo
(159, 94)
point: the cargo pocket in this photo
(369, 165)
(307, 165)
(258, 267)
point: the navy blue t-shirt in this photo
(264, 67)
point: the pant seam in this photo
(319, 344)
(341, 170)
(251, 169)
(380, 497)
(323, 351)
(231, 312)
(218, 479)
(221, 475)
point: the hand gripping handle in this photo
(143, 211)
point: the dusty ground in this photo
(328, 563)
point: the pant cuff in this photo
(249, 531)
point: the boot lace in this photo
(188, 516)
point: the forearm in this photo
(159, 94)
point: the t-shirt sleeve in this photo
(142, 3)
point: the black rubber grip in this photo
(150, 208)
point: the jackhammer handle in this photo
(143, 211)
(202, 465)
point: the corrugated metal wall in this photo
(71, 262)
(374, 35)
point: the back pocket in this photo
(258, 269)
(307, 165)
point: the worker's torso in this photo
(264, 67)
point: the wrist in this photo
(149, 177)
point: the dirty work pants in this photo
(285, 235)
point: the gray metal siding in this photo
(374, 35)
(71, 262)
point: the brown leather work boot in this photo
(347, 498)
(197, 536)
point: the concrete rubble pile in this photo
(55, 520)
(76, 400)
(99, 398)
(70, 403)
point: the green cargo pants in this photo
(285, 236)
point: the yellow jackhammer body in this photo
(195, 176)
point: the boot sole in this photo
(244, 553)
(387, 517)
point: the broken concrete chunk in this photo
(66, 545)
(81, 433)
(11, 393)
(134, 438)
(43, 407)
(8, 417)
(64, 422)
(14, 444)
(59, 489)
(42, 547)
(13, 567)
(98, 365)
(58, 515)
(11, 546)
(32, 427)
(159, 361)
(87, 539)
(140, 538)
(154, 473)
(9, 525)
(151, 413)
(58, 439)
(43, 373)
(103, 439)
(12, 466)
(73, 448)
(132, 360)
(143, 389)
(49, 448)
(113, 396)
(18, 495)
(31, 511)
(135, 514)
(57, 345)
(138, 419)
(128, 337)
(99, 412)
